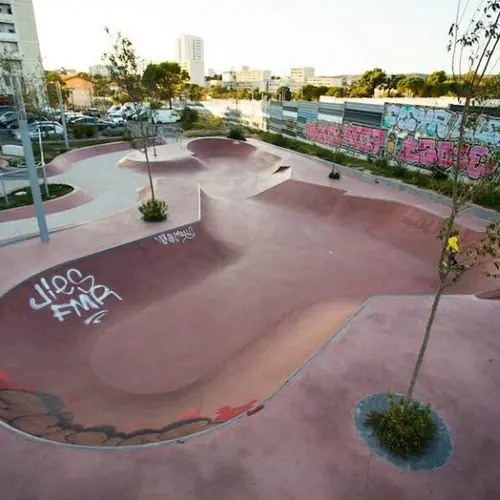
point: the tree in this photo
(368, 82)
(391, 83)
(126, 72)
(474, 47)
(193, 91)
(307, 92)
(337, 92)
(164, 80)
(53, 78)
(283, 93)
(412, 85)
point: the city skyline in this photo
(336, 39)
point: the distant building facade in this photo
(99, 70)
(190, 54)
(300, 75)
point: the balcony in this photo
(6, 18)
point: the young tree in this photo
(126, 69)
(52, 78)
(474, 48)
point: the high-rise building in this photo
(189, 53)
(300, 75)
(19, 47)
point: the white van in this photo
(165, 116)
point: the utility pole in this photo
(30, 159)
(63, 118)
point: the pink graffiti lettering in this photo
(478, 163)
(445, 154)
(355, 137)
(409, 151)
(428, 154)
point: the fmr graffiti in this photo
(72, 293)
(45, 415)
(358, 138)
(177, 236)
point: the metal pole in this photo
(30, 159)
(3, 189)
(63, 118)
(42, 160)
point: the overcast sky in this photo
(334, 36)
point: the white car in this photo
(47, 130)
(116, 108)
(116, 118)
(165, 116)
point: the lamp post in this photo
(30, 159)
(63, 118)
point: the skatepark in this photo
(220, 354)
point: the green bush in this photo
(382, 163)
(405, 428)
(189, 117)
(340, 158)
(439, 174)
(237, 134)
(90, 131)
(154, 210)
(400, 171)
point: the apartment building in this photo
(20, 49)
(300, 75)
(190, 54)
(326, 81)
(247, 78)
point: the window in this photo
(7, 28)
(5, 8)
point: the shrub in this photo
(405, 428)
(340, 158)
(90, 131)
(382, 162)
(400, 171)
(439, 174)
(78, 131)
(334, 175)
(237, 134)
(154, 210)
(189, 117)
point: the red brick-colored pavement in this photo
(211, 320)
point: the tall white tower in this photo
(189, 52)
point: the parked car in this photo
(114, 132)
(92, 112)
(165, 116)
(47, 129)
(93, 122)
(116, 108)
(32, 119)
(116, 118)
(71, 116)
(7, 118)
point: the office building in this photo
(247, 78)
(20, 49)
(326, 81)
(300, 75)
(189, 53)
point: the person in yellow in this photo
(452, 249)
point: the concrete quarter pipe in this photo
(184, 330)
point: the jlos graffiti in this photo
(72, 293)
(355, 137)
(177, 236)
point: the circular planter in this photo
(434, 457)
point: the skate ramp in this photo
(187, 329)
(215, 147)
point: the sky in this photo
(333, 36)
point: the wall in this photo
(407, 134)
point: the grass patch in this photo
(405, 428)
(23, 196)
(436, 180)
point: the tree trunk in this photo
(427, 335)
(145, 144)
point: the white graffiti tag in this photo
(72, 293)
(177, 236)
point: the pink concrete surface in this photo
(202, 329)
(76, 198)
(64, 162)
(303, 443)
(216, 147)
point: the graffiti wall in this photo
(419, 136)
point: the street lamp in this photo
(29, 158)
